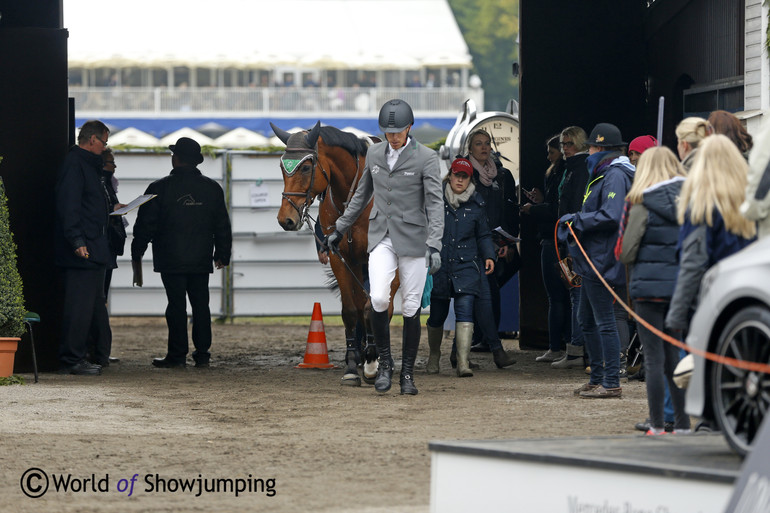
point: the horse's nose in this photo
(287, 223)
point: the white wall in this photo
(757, 66)
(272, 272)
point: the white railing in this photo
(161, 100)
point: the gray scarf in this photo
(453, 199)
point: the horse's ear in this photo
(312, 137)
(283, 135)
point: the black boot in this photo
(502, 358)
(411, 342)
(380, 322)
(352, 359)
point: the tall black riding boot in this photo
(380, 322)
(411, 342)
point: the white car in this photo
(733, 320)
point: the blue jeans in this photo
(597, 319)
(577, 331)
(439, 309)
(486, 309)
(559, 308)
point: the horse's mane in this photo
(352, 143)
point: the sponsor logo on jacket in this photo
(188, 201)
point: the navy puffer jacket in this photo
(653, 275)
(466, 244)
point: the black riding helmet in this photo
(395, 116)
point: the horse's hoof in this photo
(350, 379)
(370, 372)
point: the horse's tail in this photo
(331, 281)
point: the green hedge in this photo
(11, 292)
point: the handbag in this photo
(567, 273)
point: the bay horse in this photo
(328, 162)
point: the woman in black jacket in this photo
(497, 187)
(571, 191)
(465, 244)
(544, 208)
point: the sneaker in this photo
(668, 427)
(586, 387)
(682, 431)
(655, 432)
(600, 392)
(550, 356)
(568, 362)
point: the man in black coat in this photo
(189, 228)
(82, 252)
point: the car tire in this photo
(740, 397)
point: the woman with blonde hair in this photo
(649, 248)
(689, 134)
(712, 225)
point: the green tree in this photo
(490, 28)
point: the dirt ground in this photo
(253, 416)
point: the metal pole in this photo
(661, 101)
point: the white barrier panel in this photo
(273, 272)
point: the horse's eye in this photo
(307, 168)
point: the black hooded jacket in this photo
(187, 223)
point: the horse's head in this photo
(299, 168)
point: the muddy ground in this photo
(253, 416)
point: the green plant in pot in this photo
(11, 292)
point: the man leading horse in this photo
(406, 224)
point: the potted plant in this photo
(11, 293)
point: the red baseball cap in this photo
(641, 143)
(462, 166)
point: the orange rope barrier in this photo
(725, 360)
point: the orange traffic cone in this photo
(316, 355)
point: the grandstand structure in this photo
(159, 66)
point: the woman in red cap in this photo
(638, 145)
(467, 242)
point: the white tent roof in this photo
(355, 131)
(328, 34)
(240, 138)
(275, 141)
(134, 137)
(186, 132)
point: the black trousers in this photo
(178, 288)
(84, 312)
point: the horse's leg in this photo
(349, 318)
(370, 349)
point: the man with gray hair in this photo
(82, 252)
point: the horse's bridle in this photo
(303, 210)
